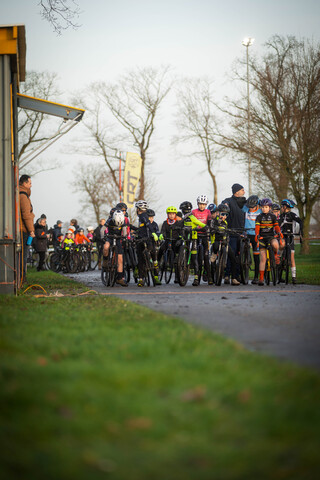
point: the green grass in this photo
(95, 387)
(308, 266)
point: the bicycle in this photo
(184, 256)
(148, 265)
(245, 259)
(270, 268)
(109, 273)
(130, 261)
(167, 261)
(285, 259)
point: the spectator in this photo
(74, 223)
(236, 220)
(99, 237)
(56, 233)
(27, 219)
(41, 242)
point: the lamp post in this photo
(247, 42)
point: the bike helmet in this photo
(266, 202)
(171, 210)
(81, 229)
(118, 218)
(252, 201)
(202, 199)
(151, 213)
(122, 206)
(141, 204)
(186, 207)
(223, 208)
(212, 207)
(275, 206)
(288, 203)
(90, 228)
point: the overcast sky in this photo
(196, 37)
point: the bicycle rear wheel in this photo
(200, 262)
(105, 276)
(170, 263)
(183, 266)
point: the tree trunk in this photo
(305, 247)
(142, 177)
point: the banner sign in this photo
(132, 173)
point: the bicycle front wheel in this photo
(221, 263)
(183, 266)
(169, 266)
(273, 267)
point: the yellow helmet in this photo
(171, 210)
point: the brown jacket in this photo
(27, 215)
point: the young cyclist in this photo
(170, 232)
(90, 234)
(218, 227)
(203, 214)
(144, 230)
(190, 221)
(80, 237)
(265, 230)
(252, 210)
(68, 240)
(276, 210)
(286, 222)
(213, 210)
(114, 226)
(154, 229)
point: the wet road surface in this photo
(283, 321)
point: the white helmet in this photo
(141, 204)
(203, 199)
(90, 228)
(118, 218)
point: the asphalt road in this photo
(283, 321)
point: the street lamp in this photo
(247, 42)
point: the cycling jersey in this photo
(172, 229)
(250, 219)
(144, 230)
(266, 225)
(66, 243)
(287, 222)
(203, 215)
(80, 239)
(218, 228)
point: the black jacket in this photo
(41, 241)
(236, 217)
(56, 232)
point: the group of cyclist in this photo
(263, 221)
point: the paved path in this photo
(283, 321)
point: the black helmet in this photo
(212, 207)
(275, 206)
(122, 206)
(186, 207)
(112, 211)
(150, 212)
(223, 208)
(252, 201)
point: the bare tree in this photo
(97, 193)
(61, 14)
(197, 123)
(33, 127)
(284, 121)
(134, 100)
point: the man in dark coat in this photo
(56, 233)
(236, 220)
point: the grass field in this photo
(95, 387)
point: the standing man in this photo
(27, 219)
(99, 239)
(236, 220)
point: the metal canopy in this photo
(50, 108)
